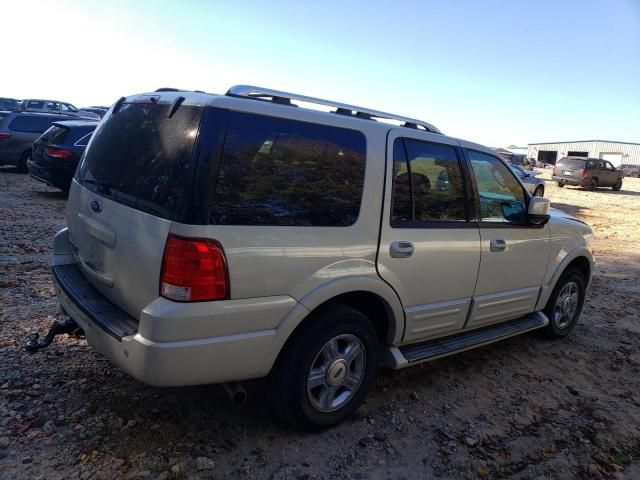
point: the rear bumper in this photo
(583, 182)
(54, 177)
(191, 359)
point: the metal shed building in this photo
(617, 153)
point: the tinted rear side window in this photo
(32, 124)
(142, 158)
(427, 183)
(35, 104)
(284, 172)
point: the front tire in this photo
(326, 369)
(617, 186)
(565, 304)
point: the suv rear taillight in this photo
(193, 270)
(554, 170)
(584, 173)
(57, 153)
(4, 135)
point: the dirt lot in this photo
(524, 408)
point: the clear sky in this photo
(498, 72)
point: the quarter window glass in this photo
(53, 106)
(427, 183)
(502, 198)
(30, 124)
(35, 104)
(283, 172)
(84, 140)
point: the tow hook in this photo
(68, 326)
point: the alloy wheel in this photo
(566, 305)
(336, 373)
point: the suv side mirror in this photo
(538, 211)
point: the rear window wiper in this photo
(103, 187)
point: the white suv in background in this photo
(220, 238)
(54, 106)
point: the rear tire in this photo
(326, 369)
(23, 165)
(565, 304)
(539, 191)
(594, 184)
(617, 186)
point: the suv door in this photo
(514, 254)
(612, 173)
(429, 249)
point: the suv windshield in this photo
(571, 163)
(141, 157)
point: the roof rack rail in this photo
(277, 96)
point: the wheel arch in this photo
(580, 259)
(370, 296)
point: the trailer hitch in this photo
(68, 326)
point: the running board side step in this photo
(400, 357)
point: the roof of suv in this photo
(76, 123)
(272, 101)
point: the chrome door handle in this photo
(497, 245)
(401, 249)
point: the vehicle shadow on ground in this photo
(53, 194)
(608, 191)
(9, 169)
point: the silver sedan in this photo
(534, 184)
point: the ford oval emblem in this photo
(96, 206)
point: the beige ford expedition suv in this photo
(221, 238)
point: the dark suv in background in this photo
(587, 172)
(57, 152)
(18, 131)
(630, 170)
(10, 104)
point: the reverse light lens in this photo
(193, 270)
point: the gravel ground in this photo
(524, 408)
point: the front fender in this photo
(560, 267)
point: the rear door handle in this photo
(497, 245)
(401, 249)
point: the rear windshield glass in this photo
(571, 163)
(142, 158)
(284, 172)
(55, 134)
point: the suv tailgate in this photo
(132, 183)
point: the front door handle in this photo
(401, 249)
(497, 245)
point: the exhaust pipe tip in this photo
(236, 393)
